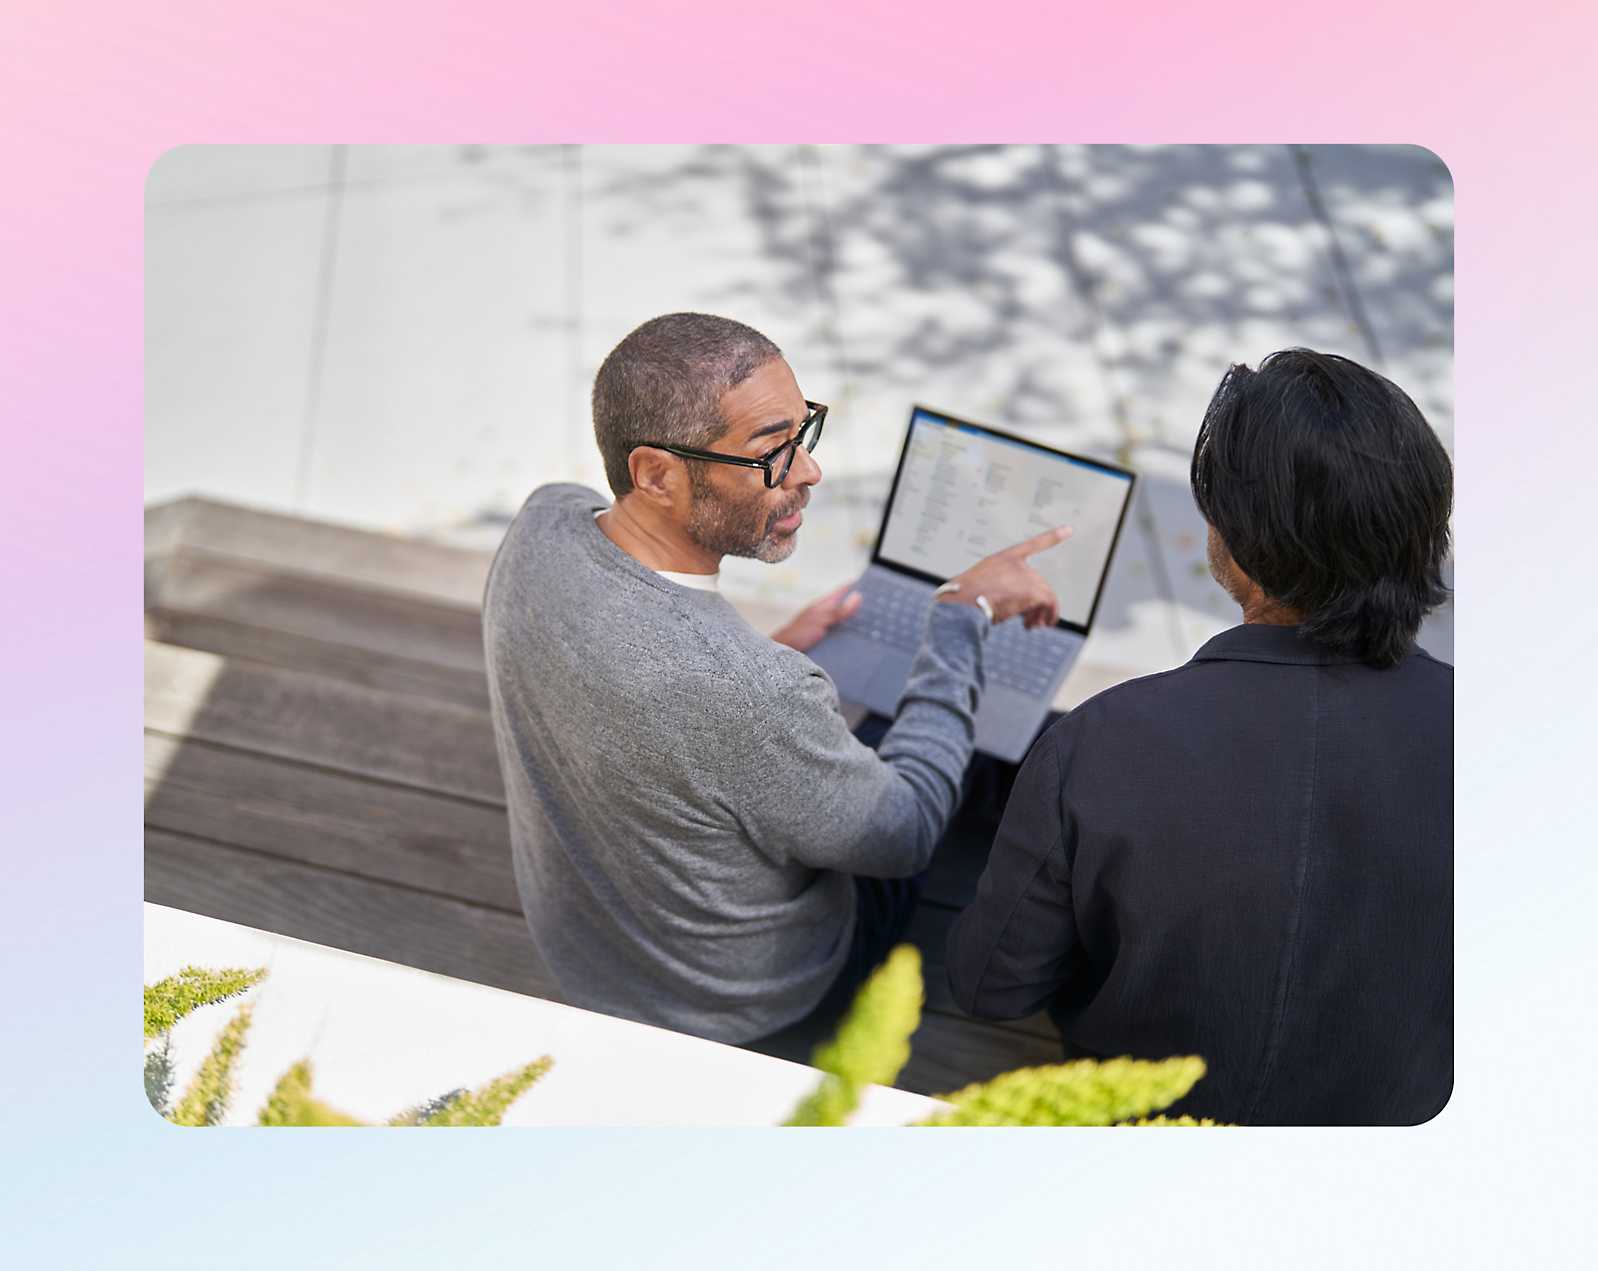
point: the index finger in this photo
(1038, 542)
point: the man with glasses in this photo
(700, 842)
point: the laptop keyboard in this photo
(892, 612)
(896, 613)
(1023, 660)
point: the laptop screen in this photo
(963, 492)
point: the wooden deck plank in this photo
(947, 1053)
(408, 566)
(320, 612)
(467, 689)
(372, 829)
(318, 720)
(381, 920)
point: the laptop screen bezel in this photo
(945, 418)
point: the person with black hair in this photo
(1250, 857)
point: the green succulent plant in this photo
(873, 1044)
(205, 1100)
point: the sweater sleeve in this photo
(1012, 950)
(809, 791)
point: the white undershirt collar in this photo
(699, 582)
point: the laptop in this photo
(963, 491)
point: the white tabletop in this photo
(384, 1037)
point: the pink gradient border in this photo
(95, 91)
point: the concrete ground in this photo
(403, 337)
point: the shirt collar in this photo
(699, 582)
(1259, 642)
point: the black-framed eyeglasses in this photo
(775, 464)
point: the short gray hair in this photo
(663, 384)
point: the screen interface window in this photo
(964, 494)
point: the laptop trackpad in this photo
(887, 683)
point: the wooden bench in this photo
(320, 763)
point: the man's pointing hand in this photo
(1009, 584)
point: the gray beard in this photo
(741, 527)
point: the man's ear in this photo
(658, 475)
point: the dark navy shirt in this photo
(1248, 858)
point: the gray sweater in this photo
(687, 804)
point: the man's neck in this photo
(634, 526)
(1260, 609)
